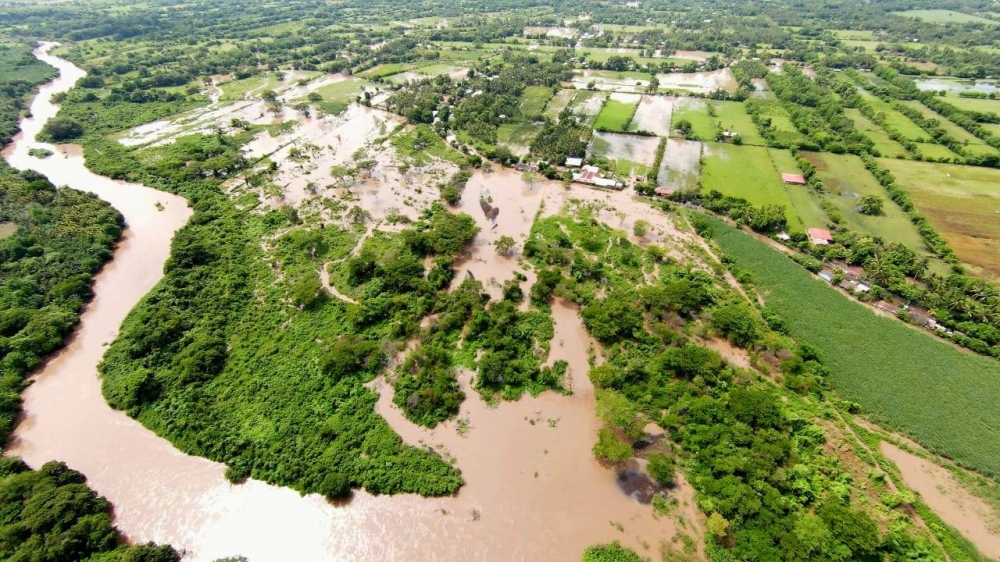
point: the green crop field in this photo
(385, 70)
(846, 180)
(944, 16)
(615, 115)
(904, 378)
(730, 115)
(885, 145)
(962, 202)
(896, 120)
(516, 134)
(932, 150)
(534, 100)
(749, 173)
(338, 95)
(559, 102)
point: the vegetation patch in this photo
(615, 116)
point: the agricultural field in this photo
(803, 200)
(903, 378)
(846, 180)
(896, 120)
(698, 82)
(784, 128)
(972, 143)
(337, 95)
(945, 16)
(962, 203)
(516, 137)
(587, 104)
(883, 144)
(560, 101)
(937, 151)
(747, 172)
(631, 153)
(617, 112)
(533, 101)
(728, 115)
(653, 115)
(612, 81)
(680, 168)
(974, 104)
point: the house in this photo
(591, 175)
(574, 162)
(663, 191)
(921, 316)
(794, 179)
(820, 236)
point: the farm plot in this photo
(709, 117)
(699, 82)
(653, 115)
(517, 137)
(533, 101)
(634, 82)
(631, 153)
(973, 144)
(559, 102)
(617, 112)
(896, 120)
(962, 203)
(747, 172)
(936, 151)
(904, 378)
(587, 104)
(680, 168)
(982, 105)
(804, 202)
(883, 144)
(846, 179)
(784, 129)
(944, 16)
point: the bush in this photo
(59, 129)
(661, 468)
(610, 448)
(335, 486)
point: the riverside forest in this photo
(598, 280)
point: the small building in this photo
(826, 275)
(820, 236)
(783, 236)
(794, 179)
(663, 191)
(574, 162)
(921, 316)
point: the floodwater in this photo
(970, 515)
(679, 169)
(954, 85)
(617, 146)
(701, 82)
(534, 490)
(653, 115)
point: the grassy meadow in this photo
(730, 115)
(615, 115)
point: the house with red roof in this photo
(820, 236)
(794, 179)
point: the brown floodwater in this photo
(534, 490)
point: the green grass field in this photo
(615, 115)
(885, 145)
(804, 202)
(846, 180)
(932, 150)
(974, 104)
(896, 120)
(385, 70)
(516, 134)
(962, 203)
(952, 129)
(338, 95)
(588, 104)
(731, 115)
(533, 101)
(944, 16)
(780, 120)
(749, 173)
(905, 379)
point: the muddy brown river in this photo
(534, 490)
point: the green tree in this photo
(661, 467)
(504, 245)
(871, 205)
(610, 448)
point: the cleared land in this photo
(944, 16)
(846, 179)
(906, 379)
(962, 202)
(616, 114)
(747, 172)
(780, 121)
(883, 144)
(729, 115)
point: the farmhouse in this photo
(888, 307)
(591, 175)
(794, 179)
(663, 191)
(820, 236)
(574, 162)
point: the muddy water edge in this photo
(534, 492)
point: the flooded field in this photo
(634, 148)
(699, 82)
(612, 81)
(653, 115)
(588, 104)
(938, 488)
(691, 55)
(555, 499)
(680, 168)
